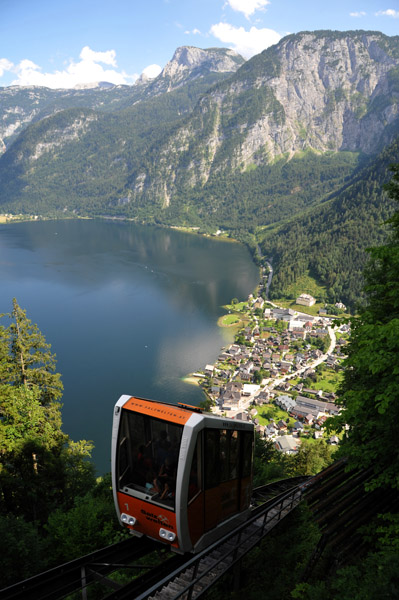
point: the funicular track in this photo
(61, 581)
(341, 505)
(270, 504)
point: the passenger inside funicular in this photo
(150, 447)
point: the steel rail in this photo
(64, 579)
(141, 585)
(222, 555)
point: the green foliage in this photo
(22, 550)
(312, 457)
(90, 524)
(40, 467)
(374, 576)
(51, 507)
(269, 463)
(79, 472)
(26, 421)
(258, 376)
(370, 387)
(32, 363)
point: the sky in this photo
(61, 44)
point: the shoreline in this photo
(234, 327)
(9, 218)
(192, 379)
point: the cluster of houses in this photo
(239, 363)
(304, 411)
(272, 349)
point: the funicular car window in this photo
(247, 441)
(222, 456)
(229, 455)
(212, 458)
(234, 454)
(194, 485)
(150, 447)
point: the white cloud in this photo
(247, 7)
(246, 43)
(5, 65)
(193, 32)
(87, 70)
(107, 58)
(152, 71)
(390, 12)
(361, 13)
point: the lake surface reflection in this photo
(128, 309)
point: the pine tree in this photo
(40, 467)
(33, 364)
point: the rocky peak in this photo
(188, 59)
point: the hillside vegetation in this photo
(330, 241)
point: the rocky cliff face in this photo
(188, 59)
(189, 63)
(326, 91)
(18, 107)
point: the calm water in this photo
(127, 309)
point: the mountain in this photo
(20, 106)
(321, 91)
(273, 137)
(86, 141)
(190, 63)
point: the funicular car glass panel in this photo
(148, 452)
(195, 483)
(247, 440)
(221, 475)
(222, 456)
(228, 458)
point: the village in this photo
(281, 372)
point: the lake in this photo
(128, 309)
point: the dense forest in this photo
(329, 241)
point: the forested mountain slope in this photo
(232, 161)
(329, 242)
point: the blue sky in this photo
(60, 44)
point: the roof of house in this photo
(287, 443)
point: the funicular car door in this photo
(196, 496)
(221, 475)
